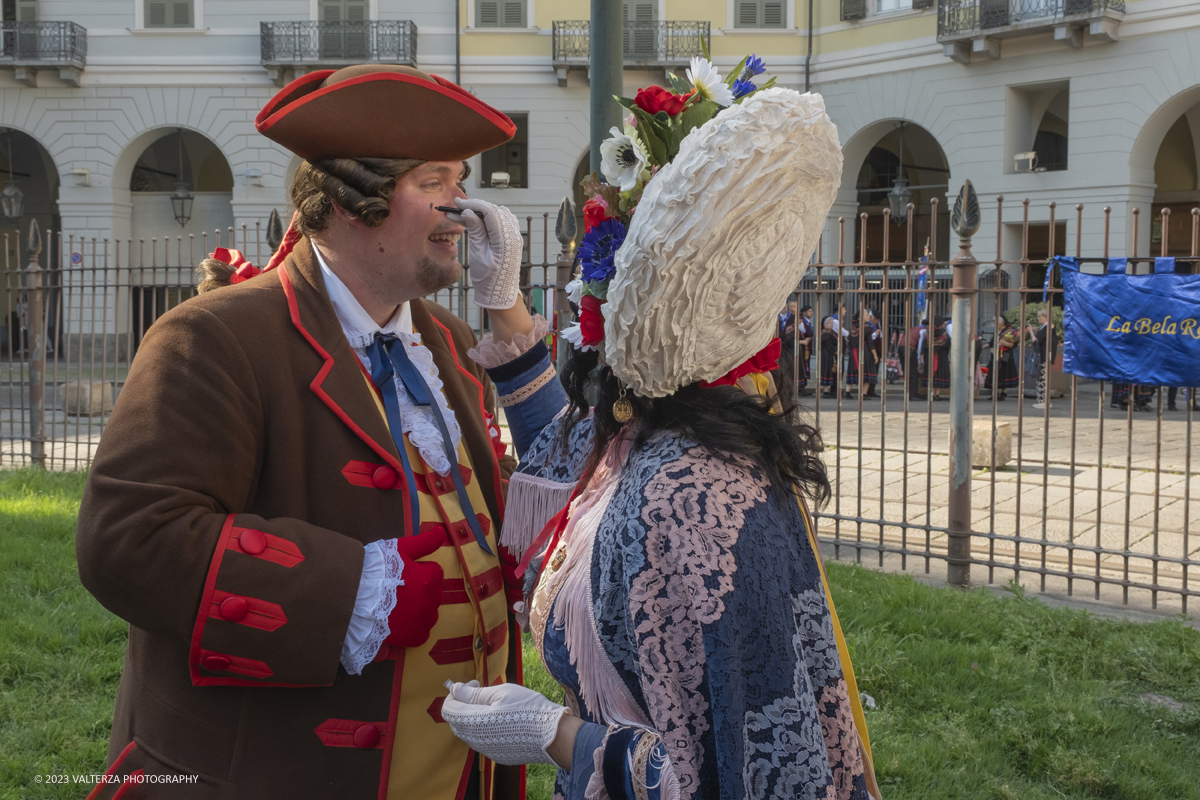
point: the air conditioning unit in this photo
(500, 180)
(1025, 162)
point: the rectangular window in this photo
(888, 6)
(853, 9)
(759, 14)
(169, 14)
(511, 158)
(20, 10)
(500, 14)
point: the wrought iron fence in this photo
(305, 42)
(966, 16)
(645, 42)
(1078, 494)
(49, 42)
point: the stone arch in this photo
(925, 166)
(147, 191)
(1150, 137)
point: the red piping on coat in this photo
(285, 280)
(108, 773)
(210, 585)
(136, 780)
(389, 735)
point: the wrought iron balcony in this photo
(32, 46)
(647, 43)
(314, 45)
(988, 21)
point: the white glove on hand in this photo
(507, 723)
(494, 247)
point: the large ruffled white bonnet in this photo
(720, 237)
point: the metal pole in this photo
(606, 72)
(37, 351)
(565, 231)
(964, 221)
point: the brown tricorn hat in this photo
(381, 111)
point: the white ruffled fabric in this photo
(574, 334)
(415, 421)
(721, 235)
(383, 571)
(489, 353)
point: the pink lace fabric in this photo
(490, 353)
(694, 509)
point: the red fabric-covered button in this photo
(366, 737)
(383, 477)
(234, 608)
(214, 663)
(253, 542)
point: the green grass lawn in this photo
(978, 696)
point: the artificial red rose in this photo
(654, 99)
(594, 212)
(591, 320)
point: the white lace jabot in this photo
(417, 421)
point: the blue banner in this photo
(1142, 329)
(922, 281)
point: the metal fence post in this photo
(37, 350)
(964, 220)
(565, 231)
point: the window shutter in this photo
(181, 15)
(487, 14)
(156, 14)
(356, 12)
(331, 11)
(27, 10)
(747, 14)
(514, 13)
(857, 9)
(773, 14)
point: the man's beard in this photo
(432, 276)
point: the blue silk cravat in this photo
(388, 357)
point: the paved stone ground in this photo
(1124, 485)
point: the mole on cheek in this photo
(381, 248)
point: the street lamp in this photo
(899, 196)
(12, 198)
(181, 201)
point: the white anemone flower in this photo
(707, 82)
(623, 159)
(574, 291)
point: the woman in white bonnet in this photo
(678, 597)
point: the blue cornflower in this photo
(743, 88)
(598, 248)
(754, 66)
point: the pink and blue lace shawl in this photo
(707, 602)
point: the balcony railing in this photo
(291, 44)
(49, 44)
(668, 44)
(966, 18)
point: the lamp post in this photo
(899, 196)
(181, 201)
(11, 199)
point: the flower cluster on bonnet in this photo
(658, 121)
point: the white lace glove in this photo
(507, 723)
(494, 247)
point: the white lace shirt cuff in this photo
(382, 570)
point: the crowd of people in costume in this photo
(919, 359)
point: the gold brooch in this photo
(559, 557)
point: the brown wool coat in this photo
(240, 412)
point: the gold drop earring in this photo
(622, 410)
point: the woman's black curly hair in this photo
(722, 419)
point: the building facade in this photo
(110, 108)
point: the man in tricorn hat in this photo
(297, 500)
